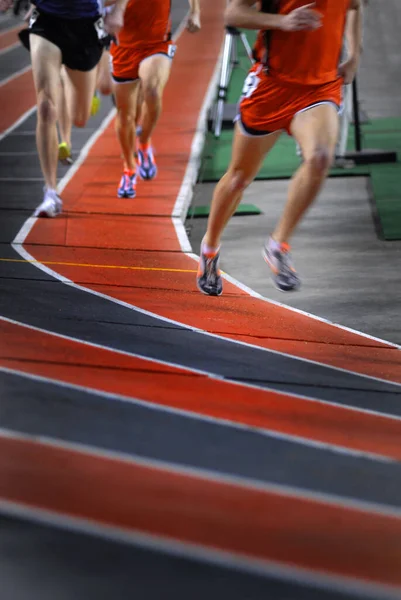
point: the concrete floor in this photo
(349, 275)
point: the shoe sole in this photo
(293, 289)
(126, 196)
(207, 293)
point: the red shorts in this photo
(270, 105)
(126, 60)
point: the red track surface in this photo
(130, 251)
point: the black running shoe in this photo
(283, 274)
(208, 279)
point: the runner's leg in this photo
(154, 73)
(247, 156)
(83, 84)
(126, 103)
(316, 131)
(64, 112)
(46, 65)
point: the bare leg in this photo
(316, 131)
(64, 112)
(154, 73)
(247, 156)
(104, 79)
(46, 65)
(126, 103)
(83, 84)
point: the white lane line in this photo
(362, 506)
(15, 75)
(18, 122)
(195, 416)
(21, 236)
(183, 203)
(217, 558)
(208, 374)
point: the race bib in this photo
(171, 50)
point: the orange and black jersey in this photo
(146, 22)
(304, 57)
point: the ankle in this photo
(207, 248)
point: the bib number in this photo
(171, 50)
(250, 84)
(100, 30)
(33, 17)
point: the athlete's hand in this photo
(5, 5)
(113, 21)
(303, 18)
(347, 70)
(193, 23)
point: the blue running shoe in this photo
(127, 187)
(147, 163)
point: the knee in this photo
(238, 180)
(320, 160)
(47, 111)
(126, 117)
(151, 91)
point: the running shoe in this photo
(96, 102)
(209, 279)
(278, 258)
(64, 154)
(127, 187)
(146, 163)
(51, 206)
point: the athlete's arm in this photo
(194, 24)
(115, 19)
(5, 5)
(242, 13)
(353, 34)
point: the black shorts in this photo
(78, 40)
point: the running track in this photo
(160, 443)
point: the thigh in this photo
(126, 95)
(46, 66)
(154, 71)
(249, 151)
(316, 128)
(83, 85)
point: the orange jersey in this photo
(308, 57)
(146, 22)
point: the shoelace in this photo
(211, 270)
(285, 263)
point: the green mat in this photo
(197, 212)
(379, 134)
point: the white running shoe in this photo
(51, 206)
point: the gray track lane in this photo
(34, 559)
(95, 319)
(79, 417)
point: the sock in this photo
(144, 147)
(129, 172)
(209, 250)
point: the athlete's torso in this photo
(145, 22)
(69, 9)
(308, 57)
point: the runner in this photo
(295, 88)
(70, 33)
(141, 65)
